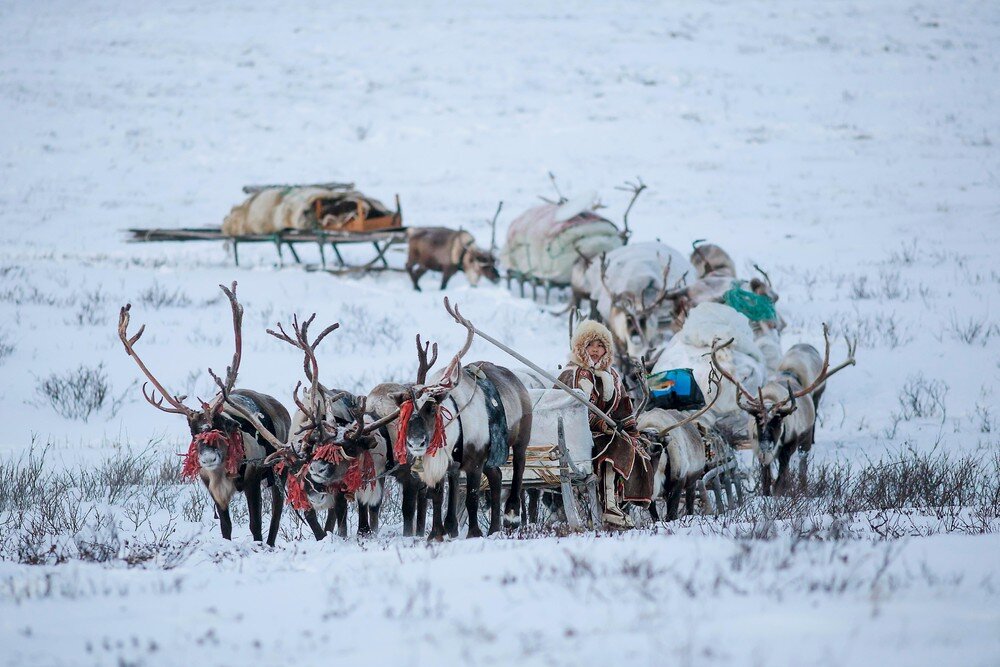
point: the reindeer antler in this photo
(493, 230)
(233, 369)
(177, 402)
(448, 379)
(753, 403)
(423, 364)
(310, 365)
(636, 189)
(825, 372)
(713, 378)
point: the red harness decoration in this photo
(437, 440)
(399, 449)
(295, 490)
(331, 453)
(217, 439)
(360, 473)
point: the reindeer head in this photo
(325, 451)
(336, 458)
(477, 263)
(422, 414)
(768, 413)
(216, 438)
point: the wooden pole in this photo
(569, 502)
(569, 390)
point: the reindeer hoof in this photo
(512, 519)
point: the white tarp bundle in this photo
(636, 269)
(691, 347)
(544, 240)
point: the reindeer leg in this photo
(495, 478)
(373, 512)
(277, 505)
(313, 521)
(672, 493)
(689, 491)
(765, 479)
(225, 521)
(446, 275)
(330, 524)
(784, 458)
(340, 512)
(416, 272)
(512, 510)
(409, 506)
(451, 518)
(473, 480)
(436, 497)
(533, 497)
(654, 514)
(421, 526)
(252, 494)
(364, 528)
(803, 469)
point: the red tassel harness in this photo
(360, 472)
(217, 439)
(295, 490)
(437, 440)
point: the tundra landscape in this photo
(848, 148)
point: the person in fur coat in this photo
(621, 462)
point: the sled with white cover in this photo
(559, 451)
(544, 242)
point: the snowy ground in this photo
(847, 147)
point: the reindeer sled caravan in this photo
(678, 369)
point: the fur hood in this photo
(586, 332)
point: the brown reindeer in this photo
(448, 251)
(783, 414)
(231, 434)
(330, 459)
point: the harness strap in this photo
(459, 448)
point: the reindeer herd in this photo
(475, 418)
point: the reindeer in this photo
(634, 320)
(382, 401)
(783, 414)
(466, 420)
(450, 251)
(330, 460)
(678, 451)
(229, 439)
